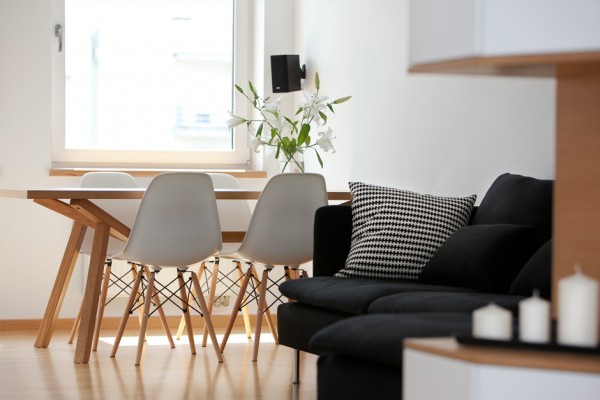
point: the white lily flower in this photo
(254, 142)
(312, 99)
(278, 122)
(234, 120)
(313, 105)
(305, 128)
(325, 140)
(273, 107)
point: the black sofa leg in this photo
(296, 367)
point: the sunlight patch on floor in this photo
(239, 338)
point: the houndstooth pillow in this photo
(395, 232)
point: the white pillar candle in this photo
(578, 310)
(534, 319)
(492, 322)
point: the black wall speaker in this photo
(286, 73)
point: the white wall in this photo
(435, 134)
(31, 237)
(446, 135)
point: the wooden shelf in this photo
(450, 348)
(528, 65)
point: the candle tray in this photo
(517, 344)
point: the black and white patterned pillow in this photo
(395, 232)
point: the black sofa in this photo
(357, 326)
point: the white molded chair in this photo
(235, 217)
(280, 233)
(125, 211)
(177, 225)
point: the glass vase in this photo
(293, 163)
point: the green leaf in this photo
(342, 100)
(278, 150)
(273, 132)
(259, 130)
(330, 107)
(304, 131)
(308, 140)
(252, 89)
(300, 109)
(323, 116)
(294, 127)
(319, 157)
(317, 81)
(239, 89)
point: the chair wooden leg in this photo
(75, 326)
(245, 311)
(163, 318)
(101, 305)
(287, 273)
(236, 306)
(135, 273)
(147, 304)
(181, 326)
(260, 311)
(123, 324)
(295, 271)
(207, 318)
(267, 312)
(186, 311)
(212, 290)
(161, 312)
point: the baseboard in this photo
(112, 323)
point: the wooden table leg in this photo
(61, 284)
(89, 308)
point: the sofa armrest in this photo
(333, 231)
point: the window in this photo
(147, 81)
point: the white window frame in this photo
(238, 157)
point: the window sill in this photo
(150, 172)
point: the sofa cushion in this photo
(536, 274)
(379, 337)
(520, 200)
(352, 296)
(395, 232)
(481, 257)
(298, 322)
(422, 302)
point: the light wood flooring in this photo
(165, 373)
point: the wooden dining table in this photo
(77, 204)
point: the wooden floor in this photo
(30, 373)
